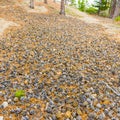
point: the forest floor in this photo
(69, 68)
(112, 28)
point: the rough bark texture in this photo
(45, 1)
(62, 9)
(112, 8)
(66, 2)
(32, 4)
(117, 9)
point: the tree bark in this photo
(65, 2)
(62, 9)
(32, 4)
(117, 10)
(112, 8)
(45, 1)
(99, 9)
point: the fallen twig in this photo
(112, 89)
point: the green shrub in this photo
(117, 18)
(104, 13)
(19, 93)
(91, 10)
(81, 5)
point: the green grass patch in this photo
(117, 18)
(19, 93)
(91, 10)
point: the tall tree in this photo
(32, 4)
(62, 8)
(101, 5)
(112, 7)
(117, 9)
(66, 2)
(45, 1)
(82, 4)
(73, 2)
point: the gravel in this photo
(61, 64)
(5, 104)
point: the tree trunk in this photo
(32, 4)
(45, 1)
(99, 9)
(62, 9)
(112, 8)
(117, 10)
(65, 2)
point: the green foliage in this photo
(101, 5)
(117, 18)
(73, 2)
(104, 13)
(91, 10)
(82, 5)
(19, 93)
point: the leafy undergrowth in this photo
(19, 93)
(117, 18)
(91, 10)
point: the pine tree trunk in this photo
(45, 1)
(62, 9)
(99, 9)
(117, 10)
(32, 4)
(112, 8)
(65, 2)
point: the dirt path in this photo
(8, 19)
(4, 24)
(37, 9)
(112, 29)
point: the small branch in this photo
(50, 100)
(112, 89)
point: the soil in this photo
(112, 29)
(4, 24)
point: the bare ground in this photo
(112, 29)
(7, 19)
(68, 68)
(4, 24)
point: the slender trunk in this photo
(112, 8)
(45, 1)
(99, 9)
(65, 2)
(32, 4)
(117, 9)
(62, 9)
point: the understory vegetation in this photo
(117, 18)
(104, 8)
(91, 10)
